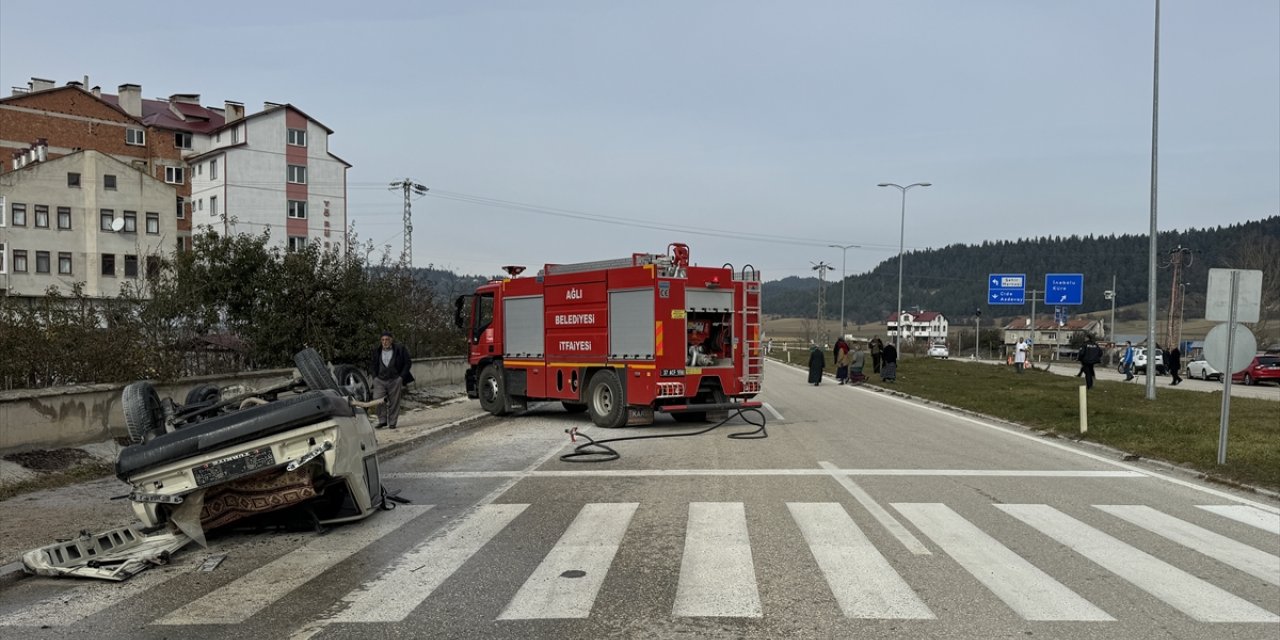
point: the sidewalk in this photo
(39, 518)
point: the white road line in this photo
(78, 603)
(1254, 562)
(1030, 592)
(392, 596)
(1062, 447)
(254, 591)
(1181, 590)
(639, 473)
(768, 407)
(589, 546)
(1248, 515)
(863, 582)
(878, 512)
(717, 575)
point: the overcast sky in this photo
(1029, 117)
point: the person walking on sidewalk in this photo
(389, 367)
(1126, 361)
(1173, 362)
(1090, 355)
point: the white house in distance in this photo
(272, 170)
(928, 325)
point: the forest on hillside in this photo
(952, 279)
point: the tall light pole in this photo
(902, 235)
(1111, 295)
(844, 252)
(1152, 240)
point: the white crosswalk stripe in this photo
(717, 575)
(1191, 595)
(254, 591)
(394, 594)
(1251, 516)
(588, 546)
(861, 579)
(1029, 591)
(1254, 562)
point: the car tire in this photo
(493, 391)
(143, 413)
(314, 371)
(605, 402)
(1249, 381)
(203, 394)
(353, 382)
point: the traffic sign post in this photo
(1064, 288)
(1007, 288)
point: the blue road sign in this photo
(1007, 288)
(1064, 288)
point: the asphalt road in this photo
(862, 515)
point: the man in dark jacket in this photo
(817, 363)
(1173, 362)
(390, 370)
(1090, 354)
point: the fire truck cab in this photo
(618, 339)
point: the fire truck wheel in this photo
(493, 391)
(604, 400)
(574, 407)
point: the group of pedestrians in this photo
(851, 361)
(1172, 361)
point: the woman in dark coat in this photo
(889, 363)
(817, 362)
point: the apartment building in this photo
(232, 171)
(85, 217)
(927, 325)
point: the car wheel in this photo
(313, 370)
(143, 413)
(1249, 381)
(605, 403)
(203, 394)
(353, 382)
(493, 391)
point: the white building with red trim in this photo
(926, 325)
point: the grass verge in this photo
(1180, 427)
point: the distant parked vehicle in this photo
(1140, 362)
(1200, 368)
(1263, 368)
(939, 350)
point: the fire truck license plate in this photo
(671, 373)
(233, 466)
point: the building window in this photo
(297, 174)
(130, 222)
(18, 214)
(2, 207)
(199, 169)
(182, 208)
(130, 266)
(298, 137)
(182, 244)
(105, 218)
(213, 169)
(109, 182)
(135, 137)
(73, 179)
(213, 205)
(297, 209)
(235, 135)
(153, 266)
(19, 261)
(174, 175)
(108, 264)
(64, 217)
(153, 223)
(200, 204)
(181, 140)
(297, 243)
(42, 262)
(3, 254)
(42, 216)
(64, 263)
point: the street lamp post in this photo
(844, 252)
(902, 235)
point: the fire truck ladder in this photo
(667, 268)
(753, 373)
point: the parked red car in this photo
(1264, 368)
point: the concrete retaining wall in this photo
(73, 416)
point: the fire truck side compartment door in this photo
(708, 300)
(631, 324)
(522, 327)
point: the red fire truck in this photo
(619, 339)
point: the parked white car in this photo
(1200, 368)
(939, 350)
(1140, 361)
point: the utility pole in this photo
(410, 188)
(822, 268)
(1176, 257)
(1111, 295)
